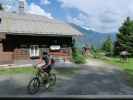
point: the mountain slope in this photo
(91, 37)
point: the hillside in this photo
(91, 37)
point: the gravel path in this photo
(95, 78)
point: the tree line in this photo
(124, 40)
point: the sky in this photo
(104, 16)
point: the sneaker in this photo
(47, 85)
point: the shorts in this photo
(48, 69)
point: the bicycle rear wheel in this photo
(34, 85)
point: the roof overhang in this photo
(37, 34)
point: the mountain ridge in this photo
(91, 37)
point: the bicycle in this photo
(40, 78)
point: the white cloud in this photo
(12, 5)
(35, 9)
(45, 2)
(81, 19)
(103, 15)
(22, 0)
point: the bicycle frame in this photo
(38, 72)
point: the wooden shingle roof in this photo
(13, 23)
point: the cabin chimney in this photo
(21, 7)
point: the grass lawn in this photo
(30, 70)
(12, 71)
(126, 66)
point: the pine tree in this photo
(108, 46)
(125, 37)
(93, 51)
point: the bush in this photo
(94, 52)
(108, 46)
(78, 57)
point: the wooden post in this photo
(2, 36)
(1, 47)
(70, 53)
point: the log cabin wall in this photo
(2, 36)
(19, 45)
(21, 54)
(5, 57)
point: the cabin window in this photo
(34, 51)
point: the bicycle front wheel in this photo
(34, 85)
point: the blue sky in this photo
(54, 7)
(100, 15)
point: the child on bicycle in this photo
(47, 67)
(48, 62)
